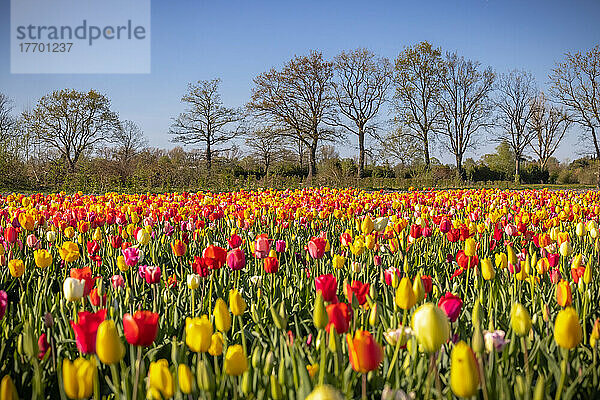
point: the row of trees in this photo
(425, 98)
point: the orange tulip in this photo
(365, 353)
(563, 294)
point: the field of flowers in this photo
(315, 293)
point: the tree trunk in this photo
(459, 168)
(517, 169)
(312, 163)
(361, 153)
(208, 157)
(426, 151)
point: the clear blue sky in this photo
(236, 40)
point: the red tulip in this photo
(415, 231)
(86, 329)
(451, 305)
(234, 241)
(427, 283)
(327, 285)
(445, 225)
(93, 247)
(464, 261)
(364, 352)
(115, 241)
(340, 315)
(152, 274)
(359, 289)
(236, 259)
(316, 247)
(388, 275)
(140, 328)
(10, 234)
(199, 266)
(345, 239)
(271, 265)
(43, 346)
(453, 235)
(214, 256)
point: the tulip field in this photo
(316, 293)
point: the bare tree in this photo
(72, 122)
(7, 120)
(360, 89)
(517, 92)
(401, 148)
(265, 145)
(205, 119)
(299, 99)
(130, 141)
(465, 104)
(576, 85)
(549, 125)
(417, 81)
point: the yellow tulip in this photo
(121, 264)
(185, 379)
(42, 258)
(222, 316)
(338, 261)
(109, 348)
(160, 378)
(464, 371)
(487, 269)
(69, 251)
(16, 268)
(216, 344)
(198, 332)
(235, 363)
(405, 296)
(78, 377)
(367, 225)
(520, 320)
(324, 392)
(470, 247)
(567, 329)
(501, 261)
(431, 327)
(8, 391)
(236, 302)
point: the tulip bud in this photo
(320, 318)
(185, 379)
(8, 390)
(487, 269)
(222, 316)
(464, 371)
(334, 339)
(373, 292)
(595, 335)
(325, 392)
(476, 314)
(567, 329)
(373, 317)
(276, 393)
(109, 348)
(520, 320)
(418, 289)
(539, 393)
(205, 377)
(236, 302)
(268, 366)
(477, 341)
(247, 382)
(405, 296)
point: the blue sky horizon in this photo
(237, 40)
